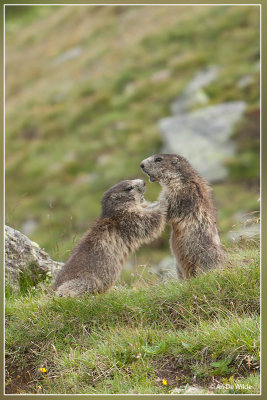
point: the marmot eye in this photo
(129, 188)
(158, 159)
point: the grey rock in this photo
(194, 389)
(246, 217)
(23, 254)
(67, 55)
(189, 100)
(166, 269)
(193, 94)
(245, 81)
(203, 137)
(246, 232)
(203, 78)
(29, 226)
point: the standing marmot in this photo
(125, 223)
(194, 241)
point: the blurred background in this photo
(93, 90)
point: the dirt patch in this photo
(18, 380)
(23, 375)
(169, 370)
(173, 372)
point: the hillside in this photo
(198, 336)
(85, 88)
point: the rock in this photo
(21, 254)
(29, 226)
(194, 94)
(166, 269)
(247, 232)
(203, 137)
(203, 78)
(189, 100)
(246, 217)
(189, 390)
(245, 81)
(67, 55)
(247, 227)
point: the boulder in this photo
(24, 255)
(246, 232)
(193, 94)
(166, 269)
(204, 137)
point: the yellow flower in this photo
(134, 288)
(164, 382)
(39, 387)
(43, 369)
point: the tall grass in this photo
(204, 332)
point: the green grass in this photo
(204, 331)
(74, 129)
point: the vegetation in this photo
(85, 88)
(82, 112)
(203, 332)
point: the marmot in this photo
(194, 241)
(126, 221)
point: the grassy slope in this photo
(72, 130)
(200, 332)
(75, 128)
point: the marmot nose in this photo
(142, 165)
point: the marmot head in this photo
(164, 168)
(122, 196)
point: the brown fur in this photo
(125, 223)
(194, 241)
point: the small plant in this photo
(30, 277)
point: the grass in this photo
(75, 128)
(204, 332)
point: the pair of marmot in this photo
(127, 221)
